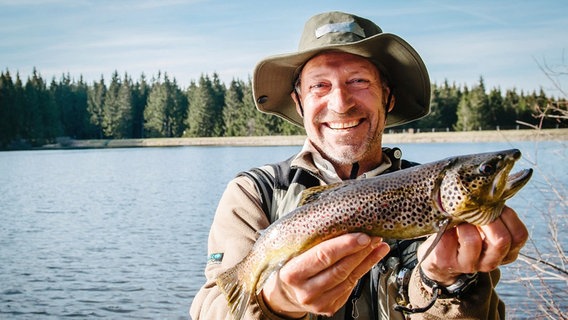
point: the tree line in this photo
(35, 113)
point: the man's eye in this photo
(359, 83)
(319, 87)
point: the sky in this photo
(505, 42)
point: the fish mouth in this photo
(505, 185)
(516, 181)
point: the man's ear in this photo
(391, 99)
(392, 102)
(296, 97)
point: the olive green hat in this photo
(407, 76)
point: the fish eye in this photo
(486, 169)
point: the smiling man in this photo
(345, 85)
(337, 93)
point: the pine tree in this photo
(124, 129)
(117, 108)
(495, 109)
(250, 112)
(8, 110)
(82, 129)
(96, 99)
(510, 105)
(233, 118)
(473, 108)
(201, 118)
(165, 111)
(40, 114)
(140, 94)
(155, 111)
(62, 95)
(216, 108)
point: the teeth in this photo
(343, 125)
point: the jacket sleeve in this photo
(234, 230)
(480, 302)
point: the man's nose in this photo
(339, 99)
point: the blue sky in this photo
(503, 41)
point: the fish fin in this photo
(312, 194)
(237, 294)
(267, 273)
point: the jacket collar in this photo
(311, 160)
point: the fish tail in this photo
(237, 292)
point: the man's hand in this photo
(321, 279)
(468, 249)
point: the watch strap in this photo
(463, 283)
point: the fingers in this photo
(503, 239)
(457, 252)
(356, 246)
(519, 234)
(468, 249)
(321, 279)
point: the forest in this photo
(34, 112)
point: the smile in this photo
(343, 125)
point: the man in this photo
(347, 82)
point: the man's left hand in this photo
(469, 249)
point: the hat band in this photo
(340, 27)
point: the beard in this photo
(351, 150)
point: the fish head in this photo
(474, 188)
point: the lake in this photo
(122, 233)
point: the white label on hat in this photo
(350, 26)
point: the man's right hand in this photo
(320, 280)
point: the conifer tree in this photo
(509, 117)
(95, 103)
(117, 108)
(473, 108)
(177, 109)
(201, 118)
(82, 129)
(155, 111)
(217, 106)
(41, 116)
(495, 109)
(249, 111)
(164, 112)
(8, 110)
(64, 98)
(140, 93)
(233, 118)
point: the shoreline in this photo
(388, 138)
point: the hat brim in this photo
(273, 78)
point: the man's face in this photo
(343, 104)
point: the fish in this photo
(404, 204)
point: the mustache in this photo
(331, 115)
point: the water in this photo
(122, 233)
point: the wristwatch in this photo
(464, 282)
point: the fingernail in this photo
(363, 239)
(376, 242)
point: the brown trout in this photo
(405, 204)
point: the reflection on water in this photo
(122, 233)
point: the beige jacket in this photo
(238, 220)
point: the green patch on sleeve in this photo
(215, 258)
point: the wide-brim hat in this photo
(274, 77)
